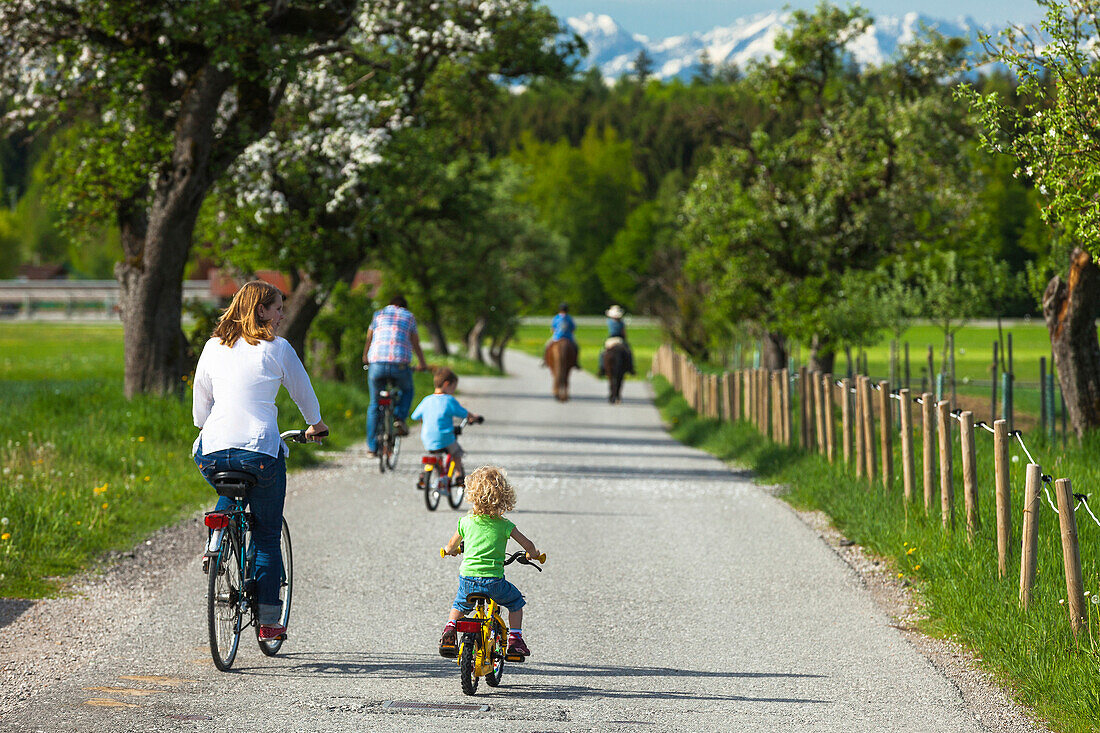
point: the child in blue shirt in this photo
(437, 412)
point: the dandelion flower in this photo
(899, 575)
(147, 478)
(347, 413)
(1061, 601)
(910, 551)
(1096, 599)
(5, 536)
(104, 505)
(916, 567)
(78, 523)
(141, 438)
(1015, 459)
(4, 521)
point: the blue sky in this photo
(661, 18)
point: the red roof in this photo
(225, 286)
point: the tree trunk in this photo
(473, 340)
(1070, 308)
(302, 306)
(774, 354)
(497, 347)
(822, 357)
(439, 339)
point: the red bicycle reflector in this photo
(385, 402)
(216, 521)
(430, 461)
(468, 627)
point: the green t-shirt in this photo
(485, 540)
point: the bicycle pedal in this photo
(514, 658)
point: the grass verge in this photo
(1032, 653)
(84, 471)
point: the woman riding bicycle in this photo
(236, 380)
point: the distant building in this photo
(224, 285)
(42, 272)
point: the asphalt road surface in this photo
(676, 596)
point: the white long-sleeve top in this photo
(234, 399)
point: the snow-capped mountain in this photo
(613, 49)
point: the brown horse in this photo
(561, 357)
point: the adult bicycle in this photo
(437, 474)
(483, 644)
(232, 604)
(387, 441)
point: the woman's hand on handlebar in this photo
(315, 432)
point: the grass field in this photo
(84, 471)
(1032, 653)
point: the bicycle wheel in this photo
(393, 448)
(431, 494)
(223, 603)
(496, 656)
(454, 496)
(286, 592)
(384, 437)
(466, 663)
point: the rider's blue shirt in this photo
(563, 327)
(615, 328)
(437, 411)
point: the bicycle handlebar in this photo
(520, 557)
(299, 436)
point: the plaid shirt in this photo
(393, 329)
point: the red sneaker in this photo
(448, 643)
(517, 646)
(271, 633)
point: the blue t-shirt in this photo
(563, 327)
(437, 411)
(615, 328)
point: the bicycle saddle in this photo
(475, 597)
(233, 484)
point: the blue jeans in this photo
(499, 589)
(265, 501)
(379, 372)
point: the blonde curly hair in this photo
(488, 491)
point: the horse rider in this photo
(563, 325)
(616, 334)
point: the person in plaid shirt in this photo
(391, 341)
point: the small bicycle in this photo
(231, 600)
(483, 646)
(437, 474)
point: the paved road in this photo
(677, 596)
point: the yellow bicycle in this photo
(483, 645)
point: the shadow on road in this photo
(615, 427)
(495, 395)
(11, 609)
(680, 456)
(629, 473)
(351, 664)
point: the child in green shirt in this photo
(483, 537)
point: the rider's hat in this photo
(615, 311)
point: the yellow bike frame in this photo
(483, 658)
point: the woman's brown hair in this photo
(242, 319)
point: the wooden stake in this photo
(846, 419)
(1071, 555)
(746, 394)
(1029, 532)
(928, 441)
(819, 413)
(970, 476)
(886, 434)
(947, 487)
(785, 398)
(828, 391)
(861, 462)
(1004, 495)
(803, 425)
(907, 467)
(868, 428)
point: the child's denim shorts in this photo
(499, 589)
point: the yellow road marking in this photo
(103, 702)
(156, 679)
(124, 691)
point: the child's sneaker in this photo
(448, 643)
(516, 645)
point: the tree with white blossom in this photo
(167, 96)
(1055, 137)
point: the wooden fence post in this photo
(970, 475)
(1071, 555)
(886, 434)
(828, 391)
(819, 414)
(947, 486)
(746, 394)
(729, 391)
(928, 438)
(907, 466)
(1004, 495)
(861, 461)
(785, 399)
(765, 402)
(846, 419)
(868, 428)
(803, 433)
(1029, 532)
